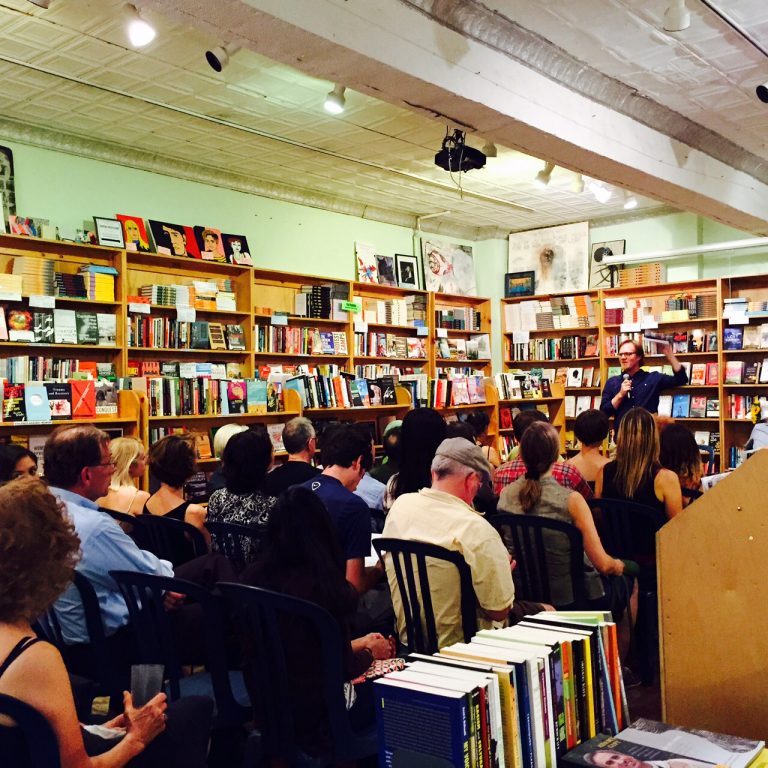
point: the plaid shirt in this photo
(565, 474)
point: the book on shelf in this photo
(87, 328)
(713, 407)
(64, 326)
(733, 336)
(588, 376)
(681, 406)
(106, 325)
(574, 377)
(14, 408)
(235, 337)
(59, 400)
(751, 372)
(751, 335)
(665, 405)
(216, 339)
(698, 406)
(698, 374)
(106, 397)
(570, 406)
(713, 374)
(583, 403)
(83, 398)
(236, 396)
(20, 325)
(734, 371)
(36, 403)
(199, 338)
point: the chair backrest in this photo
(48, 626)
(260, 613)
(42, 748)
(238, 542)
(131, 524)
(409, 558)
(155, 640)
(627, 530)
(530, 536)
(172, 540)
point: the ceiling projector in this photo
(455, 155)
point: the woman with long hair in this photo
(636, 474)
(16, 461)
(680, 454)
(130, 464)
(302, 557)
(538, 493)
(423, 429)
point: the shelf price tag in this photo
(279, 320)
(361, 326)
(740, 319)
(9, 296)
(629, 328)
(351, 306)
(649, 324)
(441, 333)
(43, 301)
(186, 314)
(225, 303)
(521, 337)
(138, 307)
(422, 330)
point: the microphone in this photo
(629, 392)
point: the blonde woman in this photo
(130, 460)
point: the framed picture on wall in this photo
(386, 269)
(407, 270)
(449, 268)
(109, 232)
(603, 275)
(519, 284)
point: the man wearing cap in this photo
(443, 515)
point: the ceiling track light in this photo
(489, 149)
(630, 201)
(543, 176)
(599, 190)
(578, 184)
(677, 17)
(140, 31)
(219, 57)
(335, 101)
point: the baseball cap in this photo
(468, 454)
(392, 425)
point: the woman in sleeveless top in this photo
(591, 429)
(635, 474)
(538, 493)
(39, 549)
(130, 463)
(172, 462)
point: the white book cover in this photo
(64, 326)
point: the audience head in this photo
(479, 421)
(539, 450)
(246, 459)
(222, 436)
(460, 468)
(680, 453)
(422, 431)
(524, 419)
(343, 445)
(172, 459)
(391, 440)
(591, 428)
(130, 460)
(38, 550)
(637, 450)
(16, 461)
(299, 436)
(77, 459)
(460, 429)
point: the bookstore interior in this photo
(175, 256)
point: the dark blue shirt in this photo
(349, 514)
(646, 387)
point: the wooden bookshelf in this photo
(554, 408)
(475, 314)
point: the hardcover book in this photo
(107, 329)
(713, 407)
(665, 405)
(64, 326)
(216, 336)
(235, 337)
(13, 403)
(59, 400)
(20, 325)
(43, 327)
(256, 395)
(698, 406)
(106, 397)
(733, 336)
(36, 402)
(681, 406)
(83, 398)
(199, 335)
(236, 394)
(734, 370)
(87, 328)
(713, 374)
(698, 374)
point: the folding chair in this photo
(238, 542)
(40, 743)
(172, 540)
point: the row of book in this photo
(55, 401)
(573, 378)
(474, 348)
(747, 407)
(550, 313)
(321, 301)
(373, 344)
(146, 332)
(21, 369)
(58, 326)
(211, 294)
(562, 348)
(296, 340)
(458, 318)
(574, 405)
(520, 697)
(741, 308)
(746, 372)
(745, 337)
(38, 277)
(627, 310)
(460, 390)
(681, 342)
(507, 414)
(516, 385)
(684, 406)
(408, 310)
(340, 390)
(185, 370)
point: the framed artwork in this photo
(385, 266)
(600, 275)
(367, 268)
(558, 256)
(174, 239)
(7, 187)
(407, 270)
(209, 244)
(109, 232)
(236, 250)
(448, 268)
(519, 284)
(134, 232)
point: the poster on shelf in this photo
(448, 268)
(210, 245)
(174, 239)
(367, 268)
(237, 250)
(134, 232)
(558, 255)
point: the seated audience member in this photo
(422, 431)
(391, 444)
(346, 455)
(485, 501)
(302, 558)
(480, 421)
(16, 461)
(39, 551)
(636, 474)
(220, 439)
(130, 460)
(538, 493)
(565, 474)
(300, 443)
(370, 490)
(591, 429)
(680, 454)
(442, 514)
(247, 457)
(172, 461)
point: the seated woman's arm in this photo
(599, 483)
(583, 520)
(196, 515)
(666, 485)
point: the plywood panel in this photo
(712, 595)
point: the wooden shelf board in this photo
(149, 261)
(213, 353)
(217, 416)
(450, 362)
(360, 408)
(299, 319)
(374, 289)
(173, 308)
(267, 355)
(747, 351)
(541, 363)
(451, 300)
(376, 359)
(471, 406)
(533, 400)
(661, 323)
(563, 331)
(390, 326)
(41, 345)
(66, 422)
(745, 386)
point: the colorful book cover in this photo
(36, 402)
(681, 406)
(733, 336)
(87, 328)
(698, 406)
(20, 325)
(734, 370)
(235, 337)
(13, 403)
(256, 395)
(83, 398)
(59, 400)
(106, 397)
(326, 341)
(236, 396)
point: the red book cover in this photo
(83, 398)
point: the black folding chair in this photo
(156, 642)
(240, 543)
(131, 524)
(262, 613)
(409, 558)
(41, 748)
(529, 537)
(172, 540)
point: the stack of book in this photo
(37, 275)
(458, 318)
(76, 398)
(515, 385)
(69, 285)
(99, 282)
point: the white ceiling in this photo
(260, 125)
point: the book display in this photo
(462, 335)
